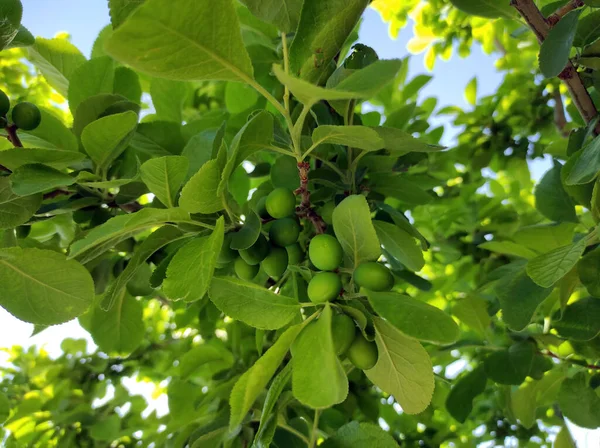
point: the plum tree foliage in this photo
(211, 201)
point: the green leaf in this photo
(14, 209)
(50, 134)
(254, 380)
(120, 330)
(587, 166)
(399, 142)
(93, 108)
(168, 98)
(105, 236)
(106, 138)
(248, 234)
(414, 318)
(545, 237)
(580, 321)
(57, 59)
(202, 355)
(4, 408)
(120, 10)
(588, 269)
(564, 439)
(190, 272)
(239, 97)
(364, 83)
(161, 28)
(252, 304)
(198, 151)
(555, 50)
(284, 173)
(519, 298)
(43, 287)
(547, 269)
(471, 92)
(35, 178)
(318, 378)
(56, 158)
(284, 14)
(588, 29)
(11, 13)
(200, 194)
(355, 434)
(106, 429)
(361, 137)
(321, 34)
(23, 38)
(552, 200)
(91, 78)
(400, 245)
(579, 402)
(459, 402)
(510, 366)
(396, 186)
(491, 9)
(160, 238)
(403, 368)
(508, 248)
(472, 312)
(354, 229)
(164, 176)
(127, 84)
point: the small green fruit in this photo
(257, 252)
(227, 254)
(284, 232)
(4, 104)
(295, 253)
(343, 330)
(373, 276)
(26, 116)
(244, 270)
(280, 203)
(325, 252)
(362, 353)
(276, 262)
(323, 287)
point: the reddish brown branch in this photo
(12, 136)
(572, 361)
(540, 26)
(554, 18)
(304, 210)
(55, 193)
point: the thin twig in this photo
(313, 435)
(55, 193)
(304, 210)
(12, 136)
(571, 361)
(570, 76)
(554, 18)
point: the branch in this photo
(571, 361)
(540, 26)
(304, 210)
(560, 118)
(554, 18)
(12, 136)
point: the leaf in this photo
(168, 98)
(510, 366)
(400, 188)
(200, 195)
(190, 272)
(15, 210)
(119, 228)
(321, 35)
(318, 378)
(239, 97)
(354, 229)
(4, 408)
(491, 9)
(508, 248)
(549, 268)
(120, 10)
(90, 78)
(248, 234)
(51, 133)
(523, 404)
(459, 402)
(552, 200)
(11, 14)
(564, 439)
(471, 92)
(164, 176)
(106, 138)
(364, 83)
(55, 158)
(399, 142)
(555, 50)
(588, 269)
(414, 318)
(93, 108)
(579, 402)
(545, 237)
(255, 379)
(580, 321)
(361, 137)
(355, 434)
(152, 39)
(473, 313)
(42, 286)
(252, 304)
(204, 354)
(400, 245)
(403, 368)
(587, 166)
(160, 238)
(588, 29)
(127, 84)
(121, 329)
(519, 298)
(23, 38)
(284, 14)
(35, 178)
(57, 59)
